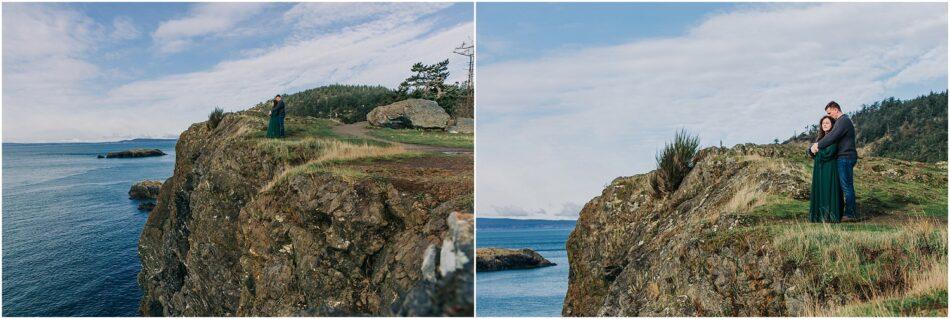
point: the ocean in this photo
(527, 292)
(70, 231)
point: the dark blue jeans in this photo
(280, 126)
(846, 179)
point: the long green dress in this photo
(273, 130)
(826, 200)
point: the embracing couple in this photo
(832, 184)
(275, 128)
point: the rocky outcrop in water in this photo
(145, 190)
(234, 233)
(495, 259)
(731, 240)
(411, 113)
(133, 153)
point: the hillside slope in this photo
(733, 241)
(314, 224)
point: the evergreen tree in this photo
(427, 81)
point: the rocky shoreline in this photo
(498, 259)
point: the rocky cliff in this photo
(313, 225)
(733, 240)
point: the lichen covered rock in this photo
(411, 113)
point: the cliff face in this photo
(255, 227)
(734, 240)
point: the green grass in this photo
(425, 137)
(877, 195)
(782, 208)
(929, 304)
(938, 209)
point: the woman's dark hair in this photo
(821, 132)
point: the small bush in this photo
(673, 163)
(215, 117)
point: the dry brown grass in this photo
(747, 196)
(329, 150)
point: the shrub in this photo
(215, 117)
(673, 163)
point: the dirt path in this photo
(361, 130)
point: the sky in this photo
(571, 96)
(114, 71)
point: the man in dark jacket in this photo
(280, 112)
(842, 134)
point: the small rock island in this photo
(147, 191)
(134, 153)
(495, 259)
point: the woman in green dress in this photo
(273, 128)
(826, 201)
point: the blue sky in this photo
(571, 96)
(108, 71)
(510, 31)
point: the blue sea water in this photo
(527, 292)
(70, 233)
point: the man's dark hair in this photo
(278, 95)
(833, 105)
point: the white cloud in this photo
(376, 51)
(204, 19)
(553, 131)
(320, 15)
(124, 29)
(43, 63)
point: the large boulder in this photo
(411, 113)
(463, 125)
(145, 190)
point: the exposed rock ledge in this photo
(495, 259)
